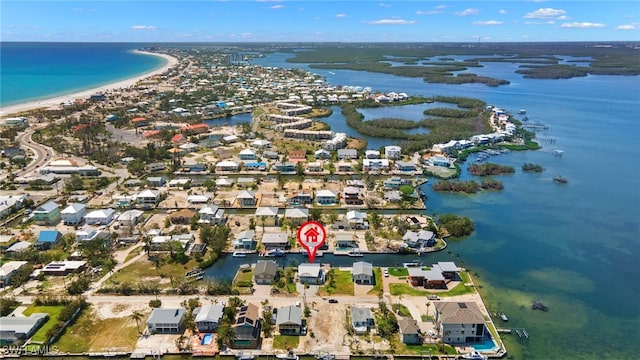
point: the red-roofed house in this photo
(139, 121)
(150, 133)
(80, 127)
(195, 129)
(297, 155)
(178, 138)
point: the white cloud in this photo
(384, 5)
(467, 12)
(342, 15)
(277, 7)
(390, 22)
(582, 25)
(143, 27)
(441, 7)
(488, 22)
(544, 13)
(627, 27)
(430, 12)
(502, 11)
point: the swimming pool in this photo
(486, 345)
(207, 339)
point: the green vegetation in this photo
(535, 168)
(54, 312)
(398, 271)
(491, 184)
(469, 187)
(405, 289)
(285, 342)
(377, 287)
(457, 226)
(386, 321)
(401, 310)
(490, 169)
(337, 282)
(461, 288)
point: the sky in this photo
(319, 21)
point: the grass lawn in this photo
(461, 288)
(398, 271)
(285, 342)
(425, 349)
(244, 275)
(342, 284)
(405, 289)
(133, 253)
(143, 270)
(401, 309)
(88, 333)
(377, 287)
(53, 311)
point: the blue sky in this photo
(346, 21)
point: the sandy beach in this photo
(54, 101)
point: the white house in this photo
(393, 152)
(166, 321)
(227, 165)
(73, 214)
(7, 271)
(361, 320)
(100, 217)
(148, 198)
(362, 273)
(460, 322)
(130, 217)
(207, 317)
(310, 273)
(211, 214)
(326, 197)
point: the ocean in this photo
(33, 71)
(574, 246)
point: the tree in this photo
(137, 316)
(315, 214)
(267, 323)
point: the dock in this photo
(195, 274)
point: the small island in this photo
(490, 169)
(535, 168)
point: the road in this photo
(41, 154)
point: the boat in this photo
(355, 253)
(522, 111)
(504, 317)
(239, 254)
(242, 356)
(288, 356)
(560, 179)
(474, 355)
(275, 253)
(331, 73)
(306, 253)
(325, 356)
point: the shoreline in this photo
(57, 100)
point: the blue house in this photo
(47, 239)
(285, 167)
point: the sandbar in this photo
(85, 94)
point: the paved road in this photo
(41, 154)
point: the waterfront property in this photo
(289, 320)
(361, 320)
(166, 321)
(310, 274)
(409, 331)
(275, 240)
(247, 328)
(207, 317)
(459, 322)
(14, 330)
(265, 272)
(362, 273)
(245, 240)
(9, 269)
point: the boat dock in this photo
(535, 127)
(195, 274)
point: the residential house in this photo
(310, 273)
(326, 197)
(266, 216)
(261, 144)
(17, 248)
(275, 240)
(211, 214)
(405, 166)
(247, 328)
(352, 195)
(182, 216)
(361, 320)
(156, 181)
(9, 204)
(357, 220)
(248, 154)
(246, 198)
(100, 217)
(314, 167)
(198, 199)
(460, 322)
(393, 152)
(422, 238)
(287, 167)
(441, 161)
(372, 154)
(130, 218)
(73, 214)
(409, 331)
(297, 156)
(300, 198)
(88, 233)
(47, 214)
(227, 166)
(345, 166)
(62, 268)
(289, 320)
(392, 196)
(189, 147)
(322, 154)
(148, 198)
(15, 330)
(296, 216)
(375, 164)
(154, 167)
(245, 240)
(345, 240)
(362, 273)
(166, 321)
(9, 269)
(395, 182)
(271, 155)
(347, 154)
(208, 317)
(265, 272)
(449, 269)
(47, 239)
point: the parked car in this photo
(433, 297)
(333, 301)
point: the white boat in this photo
(504, 317)
(355, 253)
(239, 254)
(242, 356)
(474, 355)
(288, 356)
(522, 111)
(275, 253)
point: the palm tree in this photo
(137, 316)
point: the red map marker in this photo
(311, 236)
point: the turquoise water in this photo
(206, 339)
(573, 246)
(32, 71)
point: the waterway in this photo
(574, 246)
